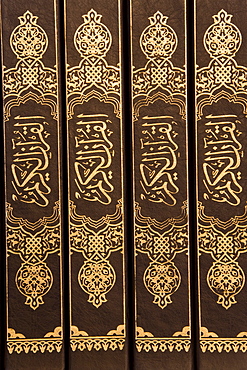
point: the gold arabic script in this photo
(94, 152)
(31, 155)
(159, 160)
(222, 159)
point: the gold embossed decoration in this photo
(158, 167)
(224, 241)
(94, 152)
(51, 342)
(33, 242)
(158, 42)
(96, 240)
(93, 77)
(161, 241)
(180, 341)
(31, 154)
(29, 42)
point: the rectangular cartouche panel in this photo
(160, 180)
(221, 105)
(95, 184)
(32, 180)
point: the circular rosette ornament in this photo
(97, 279)
(162, 280)
(158, 40)
(28, 40)
(226, 280)
(222, 39)
(92, 38)
(34, 281)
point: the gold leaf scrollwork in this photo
(161, 241)
(225, 241)
(29, 42)
(30, 80)
(28, 39)
(158, 42)
(226, 280)
(158, 39)
(93, 77)
(162, 280)
(119, 331)
(210, 341)
(92, 39)
(97, 279)
(33, 242)
(159, 80)
(205, 333)
(222, 39)
(34, 281)
(96, 240)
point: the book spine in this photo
(221, 102)
(33, 184)
(160, 176)
(95, 162)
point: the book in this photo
(96, 187)
(160, 174)
(32, 185)
(221, 128)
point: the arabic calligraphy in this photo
(31, 155)
(222, 159)
(159, 160)
(93, 158)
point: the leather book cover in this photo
(160, 173)
(95, 162)
(221, 107)
(32, 185)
